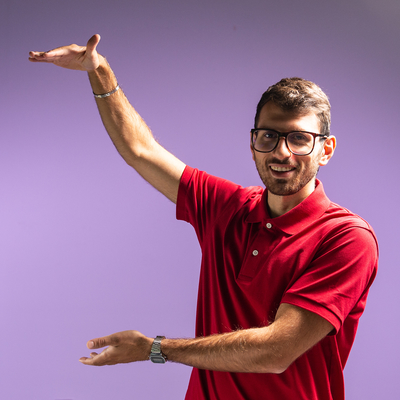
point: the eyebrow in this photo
(294, 130)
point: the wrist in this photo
(103, 64)
(102, 79)
(156, 354)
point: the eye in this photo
(268, 135)
(299, 137)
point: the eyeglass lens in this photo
(297, 142)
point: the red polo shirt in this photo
(318, 256)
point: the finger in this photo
(36, 60)
(97, 359)
(91, 360)
(45, 56)
(37, 56)
(111, 340)
(36, 53)
(92, 43)
(87, 360)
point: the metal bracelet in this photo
(101, 96)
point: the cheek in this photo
(260, 161)
(320, 158)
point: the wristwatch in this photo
(156, 356)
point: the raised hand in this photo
(123, 347)
(129, 133)
(83, 58)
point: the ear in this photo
(328, 150)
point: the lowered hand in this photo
(123, 347)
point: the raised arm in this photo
(127, 130)
(270, 349)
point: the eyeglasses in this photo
(298, 143)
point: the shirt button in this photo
(255, 252)
(268, 225)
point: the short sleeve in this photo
(202, 198)
(336, 283)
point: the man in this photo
(285, 273)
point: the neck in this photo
(279, 205)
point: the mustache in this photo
(276, 161)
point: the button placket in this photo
(256, 255)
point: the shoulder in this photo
(342, 226)
(202, 184)
(209, 196)
(341, 216)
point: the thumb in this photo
(101, 342)
(92, 43)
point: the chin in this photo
(282, 187)
(283, 190)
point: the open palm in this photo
(83, 58)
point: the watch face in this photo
(157, 358)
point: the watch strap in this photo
(156, 355)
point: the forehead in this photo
(274, 117)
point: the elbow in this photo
(279, 369)
(275, 365)
(281, 364)
(134, 156)
(275, 369)
(140, 154)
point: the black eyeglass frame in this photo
(284, 135)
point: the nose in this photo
(281, 149)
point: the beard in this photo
(287, 186)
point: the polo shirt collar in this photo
(292, 222)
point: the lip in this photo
(282, 174)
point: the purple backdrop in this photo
(82, 236)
